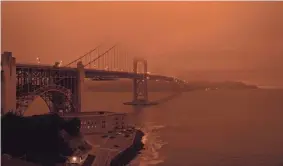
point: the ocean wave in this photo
(152, 144)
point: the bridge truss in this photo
(58, 86)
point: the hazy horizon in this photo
(195, 40)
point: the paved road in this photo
(103, 158)
(89, 160)
(105, 149)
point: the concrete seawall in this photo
(124, 157)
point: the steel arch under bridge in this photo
(57, 87)
(55, 96)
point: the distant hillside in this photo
(220, 85)
(160, 86)
(127, 86)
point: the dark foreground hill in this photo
(37, 138)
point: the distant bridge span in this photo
(91, 73)
(22, 82)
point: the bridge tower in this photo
(8, 82)
(80, 86)
(140, 92)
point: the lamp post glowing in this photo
(38, 60)
(60, 63)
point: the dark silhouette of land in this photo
(37, 138)
(161, 86)
(233, 85)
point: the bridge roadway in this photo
(92, 73)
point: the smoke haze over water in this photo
(198, 40)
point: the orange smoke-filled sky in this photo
(174, 36)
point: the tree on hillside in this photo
(37, 138)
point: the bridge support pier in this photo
(8, 82)
(80, 87)
(140, 84)
(140, 91)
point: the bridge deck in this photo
(91, 73)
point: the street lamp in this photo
(38, 60)
(60, 63)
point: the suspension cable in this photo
(100, 55)
(83, 55)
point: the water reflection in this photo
(153, 143)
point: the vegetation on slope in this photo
(37, 138)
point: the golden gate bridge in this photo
(62, 86)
